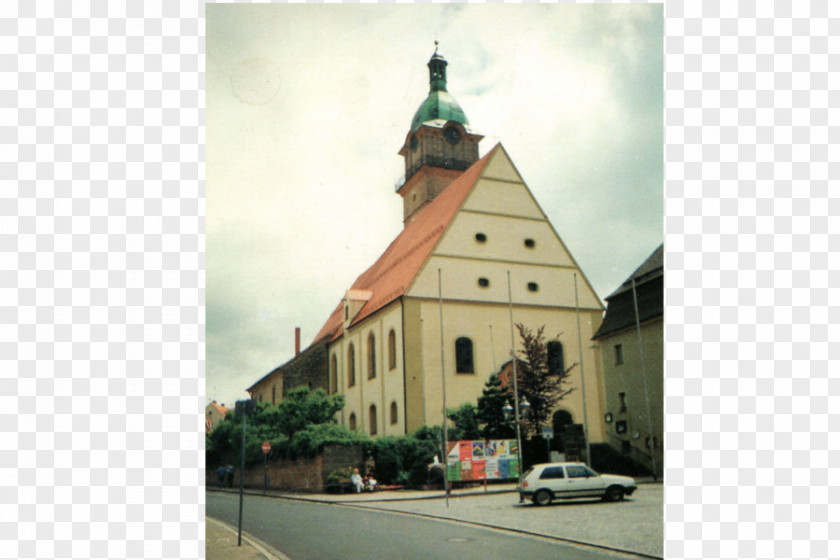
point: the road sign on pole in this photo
(266, 447)
(548, 432)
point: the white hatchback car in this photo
(548, 481)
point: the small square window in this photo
(533, 287)
(483, 282)
(480, 237)
(530, 243)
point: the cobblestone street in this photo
(636, 524)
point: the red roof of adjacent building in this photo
(220, 407)
(392, 274)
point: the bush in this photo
(310, 441)
(403, 459)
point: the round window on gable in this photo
(530, 243)
(533, 287)
(483, 282)
(480, 237)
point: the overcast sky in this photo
(308, 105)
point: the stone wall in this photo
(300, 475)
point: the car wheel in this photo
(542, 498)
(614, 494)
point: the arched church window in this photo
(372, 413)
(554, 350)
(334, 374)
(352, 422)
(371, 356)
(392, 349)
(464, 355)
(351, 365)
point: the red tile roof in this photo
(392, 274)
(220, 407)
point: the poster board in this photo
(481, 460)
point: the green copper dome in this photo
(439, 104)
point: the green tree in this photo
(534, 379)
(299, 425)
(302, 407)
(466, 422)
(490, 412)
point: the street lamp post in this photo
(524, 406)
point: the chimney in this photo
(297, 341)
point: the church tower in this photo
(439, 146)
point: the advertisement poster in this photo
(453, 470)
(480, 460)
(466, 470)
(503, 469)
(478, 451)
(478, 470)
(491, 468)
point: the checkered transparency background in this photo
(102, 280)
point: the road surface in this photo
(314, 531)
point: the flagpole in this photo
(582, 379)
(515, 391)
(443, 391)
(644, 378)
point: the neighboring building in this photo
(633, 375)
(214, 414)
(469, 225)
(306, 369)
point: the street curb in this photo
(263, 548)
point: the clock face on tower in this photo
(453, 136)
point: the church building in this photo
(435, 309)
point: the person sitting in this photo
(370, 483)
(356, 480)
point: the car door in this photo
(582, 481)
(553, 478)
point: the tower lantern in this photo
(439, 146)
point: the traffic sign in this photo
(548, 432)
(266, 447)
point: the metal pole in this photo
(644, 379)
(492, 349)
(242, 477)
(265, 474)
(443, 390)
(582, 379)
(515, 390)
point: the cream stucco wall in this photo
(474, 321)
(627, 378)
(387, 385)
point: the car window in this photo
(527, 473)
(577, 471)
(552, 472)
(590, 472)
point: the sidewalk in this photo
(221, 543)
(392, 495)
